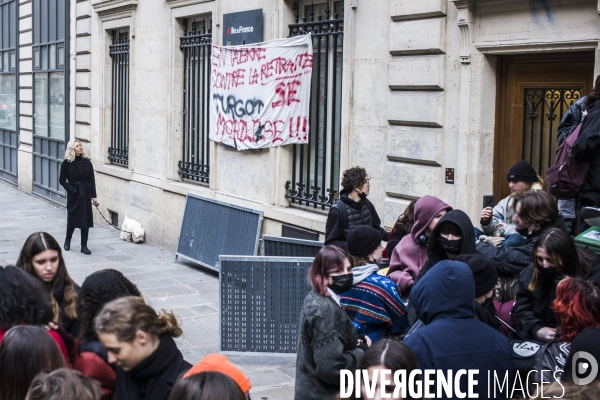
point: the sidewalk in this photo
(191, 292)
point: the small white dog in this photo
(133, 231)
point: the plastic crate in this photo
(261, 300)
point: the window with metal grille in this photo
(8, 89)
(196, 45)
(316, 165)
(118, 152)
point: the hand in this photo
(364, 339)
(95, 202)
(486, 213)
(546, 334)
(500, 225)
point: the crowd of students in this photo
(100, 341)
(455, 296)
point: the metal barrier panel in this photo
(274, 246)
(211, 228)
(261, 300)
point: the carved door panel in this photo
(534, 92)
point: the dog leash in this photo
(107, 221)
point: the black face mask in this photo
(451, 246)
(341, 283)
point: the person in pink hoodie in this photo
(411, 253)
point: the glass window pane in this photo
(57, 105)
(61, 56)
(8, 102)
(36, 58)
(13, 60)
(52, 56)
(44, 57)
(40, 104)
(5, 66)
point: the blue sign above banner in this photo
(245, 27)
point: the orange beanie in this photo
(220, 363)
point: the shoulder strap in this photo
(343, 220)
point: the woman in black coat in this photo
(77, 177)
(555, 257)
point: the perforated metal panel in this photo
(212, 228)
(261, 300)
(288, 247)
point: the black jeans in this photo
(84, 235)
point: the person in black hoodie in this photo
(534, 213)
(453, 235)
(140, 343)
(352, 208)
(556, 257)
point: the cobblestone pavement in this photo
(191, 292)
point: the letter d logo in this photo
(590, 365)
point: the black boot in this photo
(85, 250)
(67, 245)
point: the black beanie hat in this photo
(483, 270)
(522, 171)
(362, 240)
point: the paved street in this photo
(192, 293)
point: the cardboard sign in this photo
(261, 93)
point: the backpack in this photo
(567, 175)
(343, 221)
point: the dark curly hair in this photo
(353, 178)
(23, 299)
(98, 289)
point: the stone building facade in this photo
(432, 97)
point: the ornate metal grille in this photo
(544, 108)
(118, 152)
(196, 47)
(316, 165)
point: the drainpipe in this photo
(72, 67)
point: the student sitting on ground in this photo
(373, 303)
(63, 384)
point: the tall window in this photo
(50, 94)
(316, 165)
(118, 152)
(8, 90)
(196, 46)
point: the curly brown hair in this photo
(353, 178)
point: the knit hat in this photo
(522, 171)
(220, 363)
(483, 270)
(362, 240)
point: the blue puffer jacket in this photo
(452, 338)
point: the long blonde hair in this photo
(70, 151)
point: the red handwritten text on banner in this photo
(260, 93)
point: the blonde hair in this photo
(70, 151)
(126, 316)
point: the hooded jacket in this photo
(373, 304)
(409, 257)
(357, 213)
(452, 338)
(587, 148)
(435, 252)
(511, 261)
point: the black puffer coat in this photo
(357, 213)
(77, 178)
